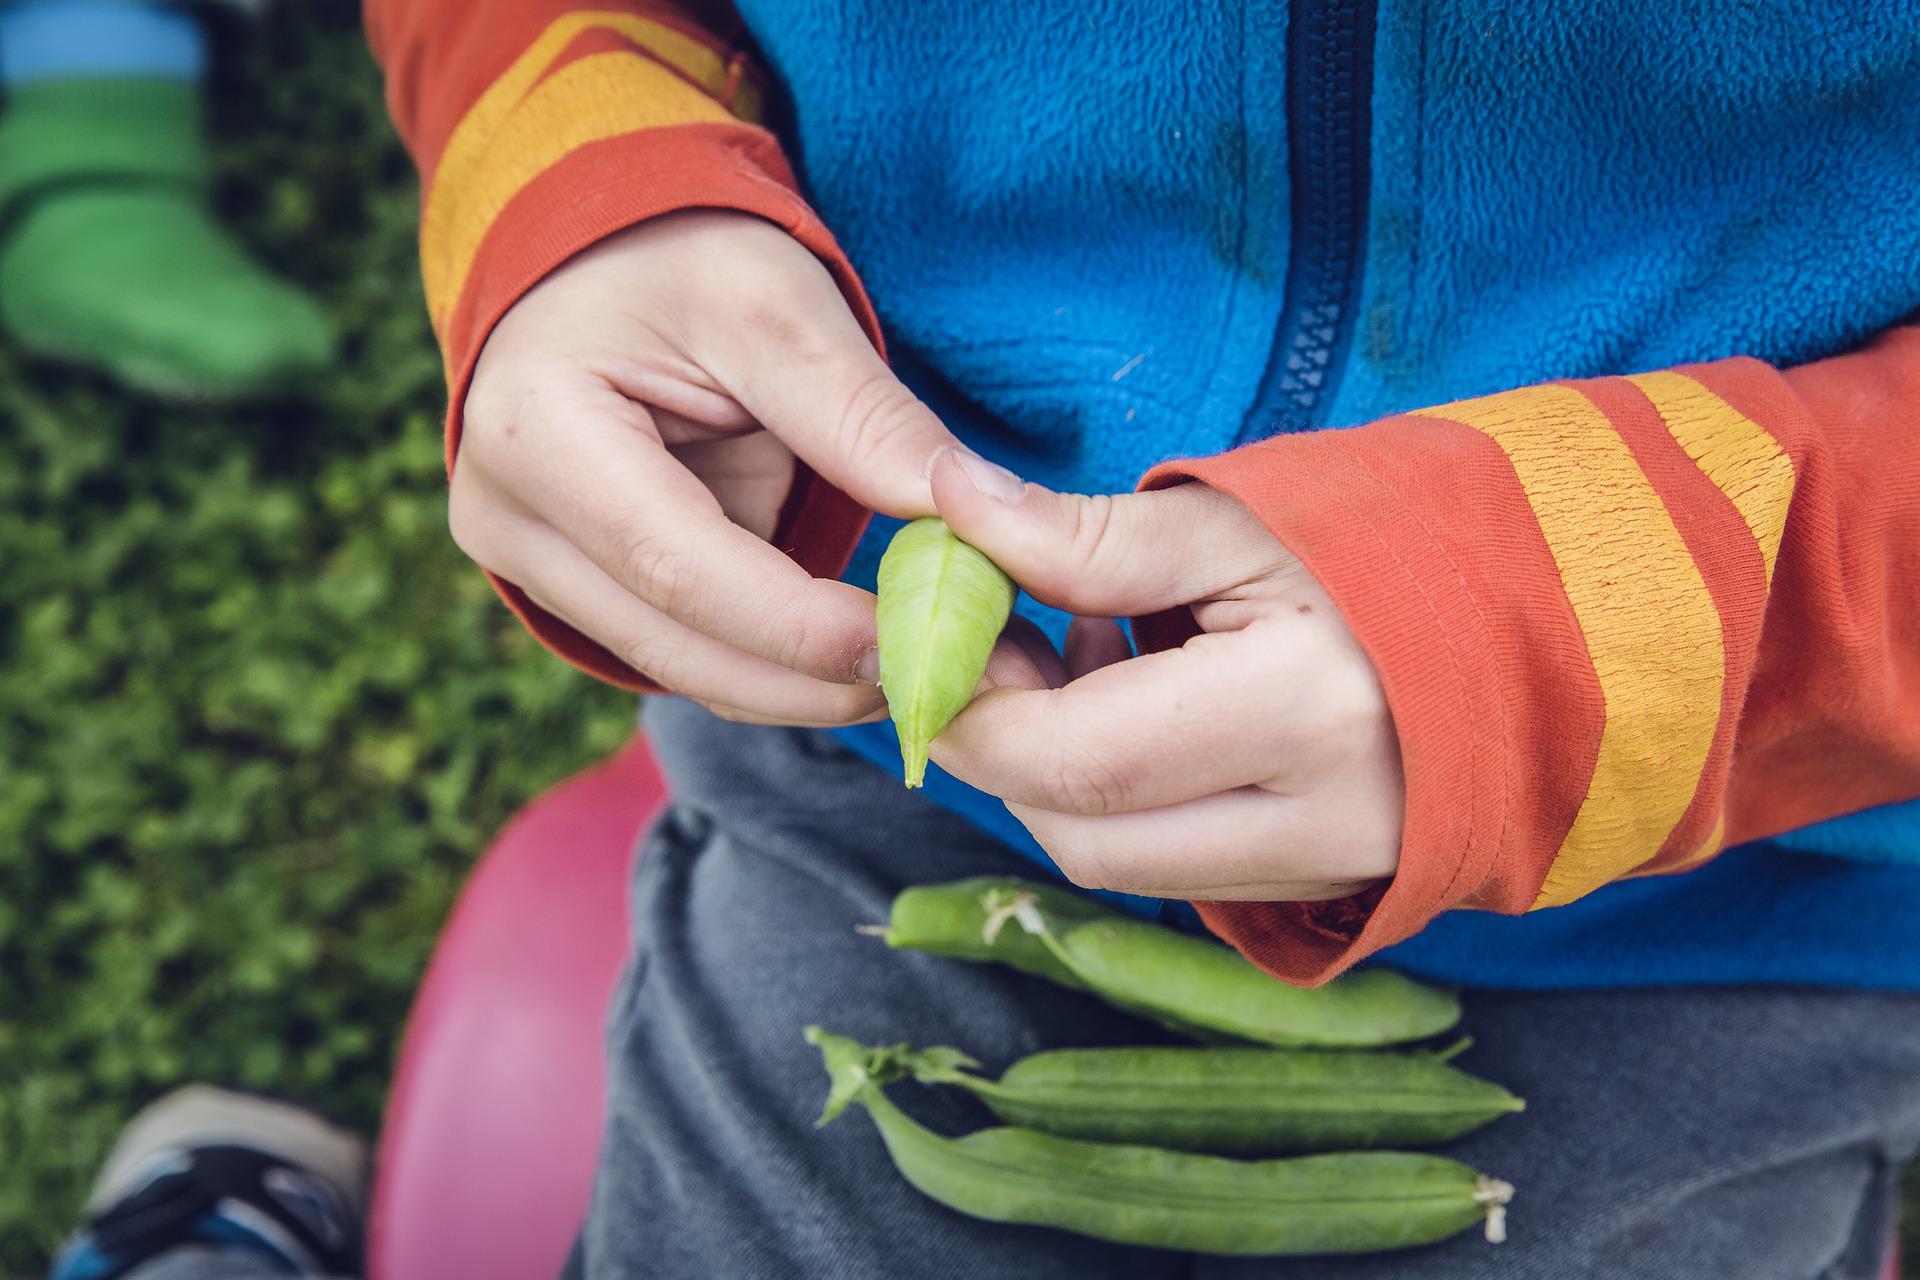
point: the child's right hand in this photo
(631, 433)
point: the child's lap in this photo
(1683, 1133)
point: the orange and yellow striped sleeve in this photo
(1621, 624)
(542, 126)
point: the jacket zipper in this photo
(1329, 122)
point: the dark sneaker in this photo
(208, 1167)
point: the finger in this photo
(740, 715)
(1109, 555)
(749, 476)
(1150, 731)
(809, 374)
(621, 497)
(1245, 845)
(677, 429)
(684, 399)
(569, 585)
(1023, 658)
(1093, 643)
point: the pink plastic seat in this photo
(487, 1153)
(486, 1158)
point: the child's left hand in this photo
(1258, 762)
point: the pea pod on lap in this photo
(1350, 1203)
(1237, 1101)
(1163, 973)
(1190, 984)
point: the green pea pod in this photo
(1357, 1202)
(973, 920)
(1238, 1101)
(1165, 974)
(941, 607)
(965, 919)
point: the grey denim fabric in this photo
(1685, 1134)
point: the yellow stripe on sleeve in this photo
(1711, 846)
(1735, 452)
(1650, 625)
(523, 124)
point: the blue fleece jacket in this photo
(1164, 230)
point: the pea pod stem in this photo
(960, 919)
(1347, 1203)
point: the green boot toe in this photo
(110, 256)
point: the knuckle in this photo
(794, 638)
(775, 319)
(858, 703)
(495, 399)
(1082, 782)
(784, 304)
(1353, 840)
(805, 634)
(1347, 710)
(876, 412)
(650, 567)
(467, 522)
(1091, 533)
(653, 658)
(1082, 868)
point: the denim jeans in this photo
(1679, 1134)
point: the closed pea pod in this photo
(1235, 1101)
(1163, 974)
(1358, 1202)
(972, 920)
(941, 606)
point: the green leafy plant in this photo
(257, 714)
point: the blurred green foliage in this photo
(257, 714)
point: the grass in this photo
(257, 714)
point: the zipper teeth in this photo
(1329, 87)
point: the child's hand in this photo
(1258, 762)
(630, 436)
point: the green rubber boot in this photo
(109, 254)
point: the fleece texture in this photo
(1554, 192)
(56, 39)
(1678, 598)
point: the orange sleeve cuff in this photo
(543, 126)
(1621, 624)
(1360, 510)
(587, 196)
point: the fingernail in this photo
(867, 670)
(992, 481)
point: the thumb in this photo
(820, 387)
(1109, 555)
